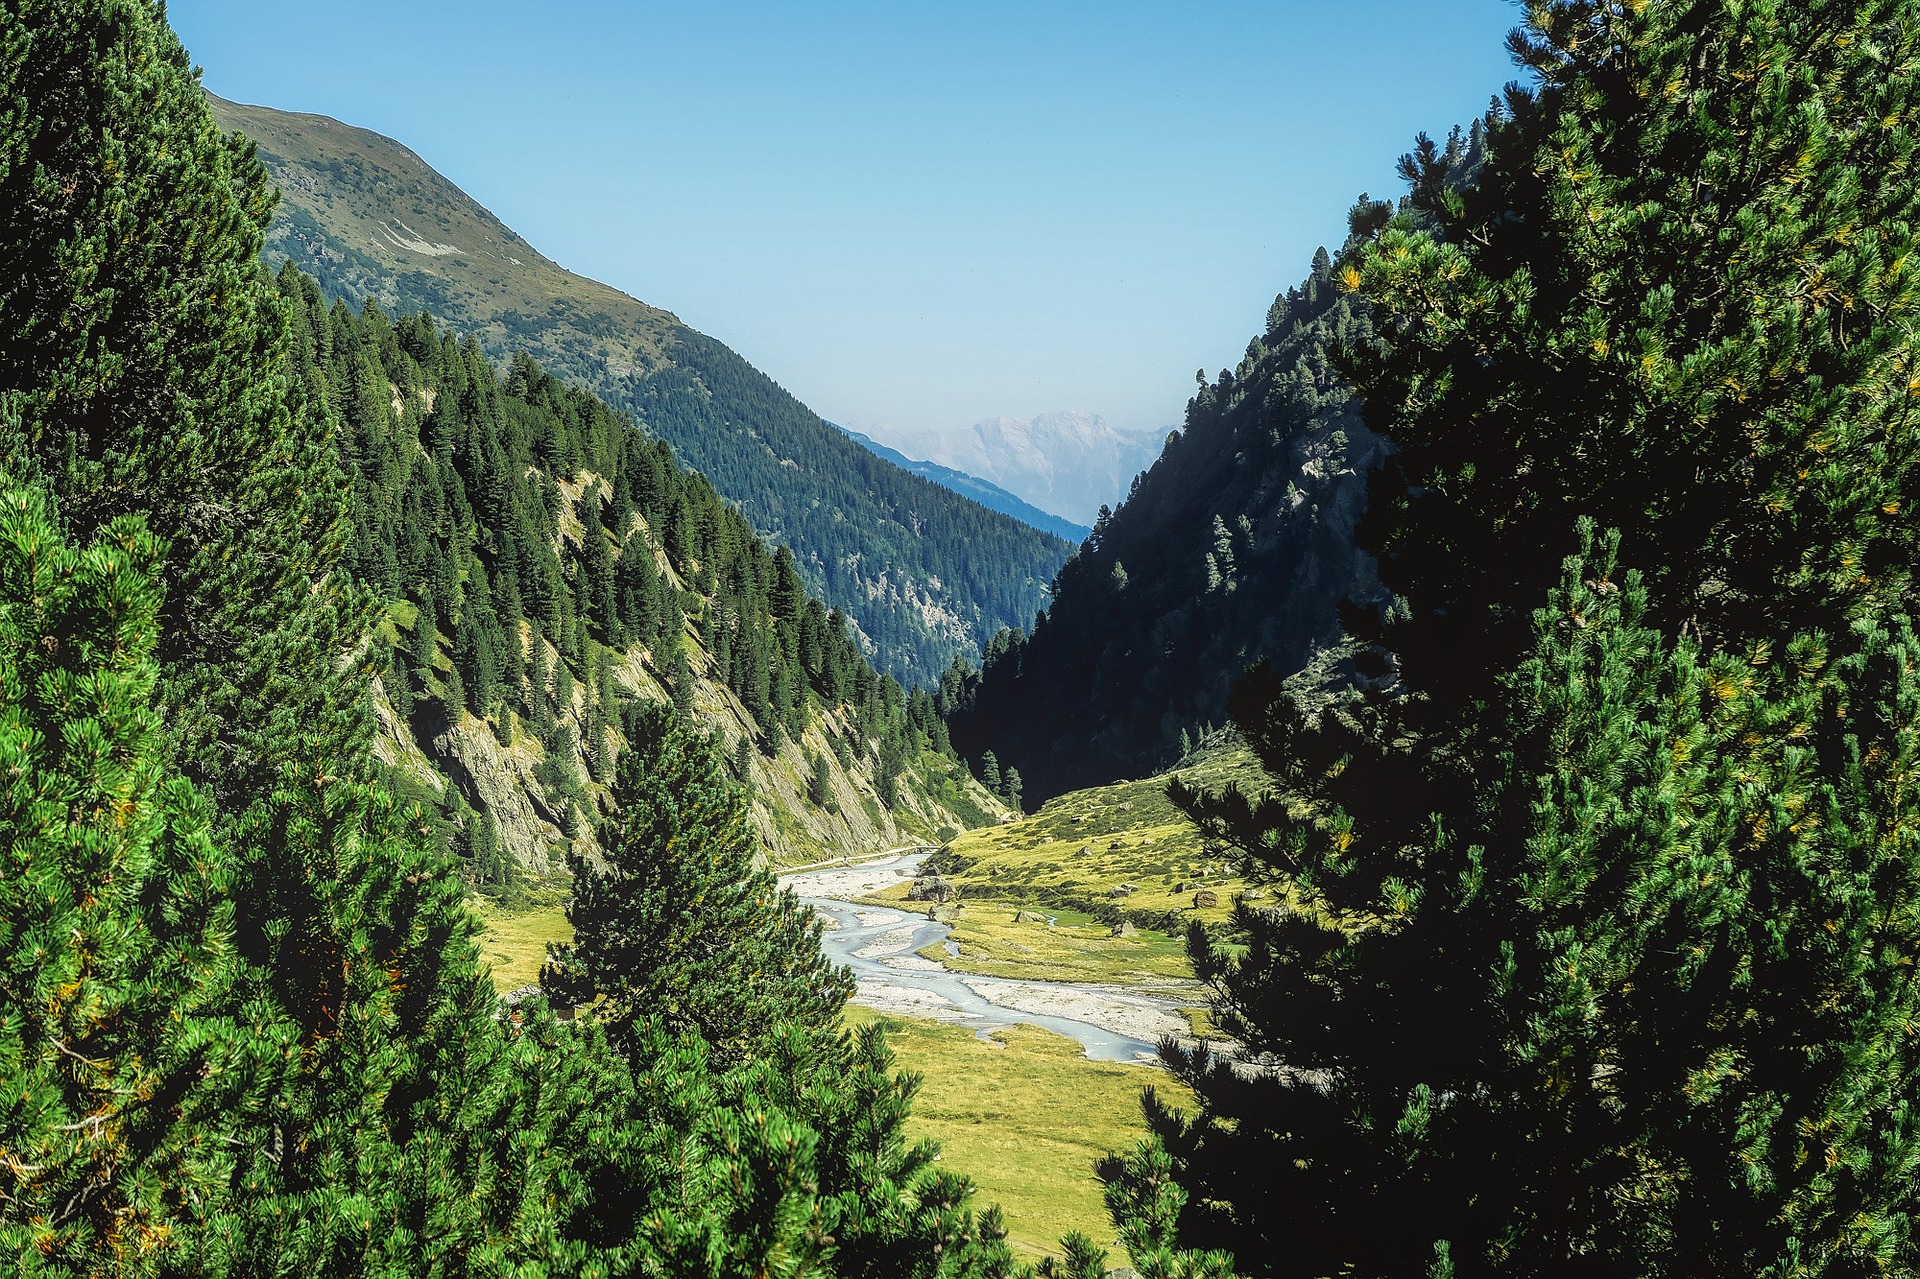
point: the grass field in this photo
(1089, 859)
(1025, 1116)
(515, 942)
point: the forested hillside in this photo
(1603, 892)
(243, 1025)
(922, 573)
(1237, 545)
(546, 564)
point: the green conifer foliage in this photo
(1640, 1004)
(1683, 270)
(684, 925)
(143, 369)
(1600, 958)
(116, 956)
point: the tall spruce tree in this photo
(1606, 886)
(683, 926)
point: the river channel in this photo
(880, 945)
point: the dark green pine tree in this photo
(1010, 791)
(990, 773)
(683, 926)
(819, 782)
(143, 369)
(116, 954)
(1599, 956)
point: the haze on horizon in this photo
(913, 217)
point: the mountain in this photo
(1071, 464)
(1237, 545)
(985, 492)
(922, 572)
(544, 565)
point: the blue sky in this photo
(909, 214)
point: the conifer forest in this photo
(1463, 799)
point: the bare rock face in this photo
(499, 781)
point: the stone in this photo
(931, 888)
(944, 914)
(1120, 890)
(1253, 895)
(1205, 897)
(1124, 928)
(1028, 917)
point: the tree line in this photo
(244, 1028)
(1604, 893)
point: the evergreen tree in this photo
(1011, 790)
(143, 369)
(684, 925)
(990, 772)
(819, 782)
(116, 955)
(1603, 887)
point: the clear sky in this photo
(909, 214)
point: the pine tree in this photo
(990, 773)
(819, 782)
(684, 926)
(116, 956)
(1011, 791)
(1593, 964)
(143, 369)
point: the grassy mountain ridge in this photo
(922, 573)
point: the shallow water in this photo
(941, 994)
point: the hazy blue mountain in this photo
(985, 492)
(1071, 464)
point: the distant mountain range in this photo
(922, 572)
(985, 492)
(1070, 464)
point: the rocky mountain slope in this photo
(1070, 464)
(1238, 545)
(922, 572)
(545, 567)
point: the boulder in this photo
(1120, 890)
(944, 914)
(1205, 897)
(1124, 928)
(1253, 895)
(1028, 917)
(931, 888)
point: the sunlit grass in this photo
(1025, 1116)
